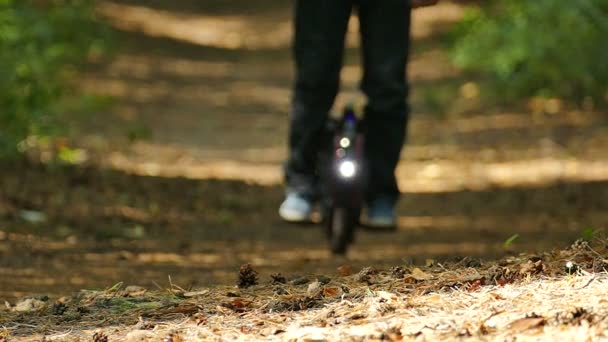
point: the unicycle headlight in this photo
(347, 169)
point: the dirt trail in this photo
(532, 297)
(186, 169)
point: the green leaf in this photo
(588, 234)
(510, 241)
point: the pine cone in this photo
(247, 276)
(59, 308)
(100, 337)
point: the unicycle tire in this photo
(341, 228)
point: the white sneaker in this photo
(296, 208)
(381, 214)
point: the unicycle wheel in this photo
(341, 227)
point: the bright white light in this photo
(347, 169)
(344, 142)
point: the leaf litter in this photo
(532, 296)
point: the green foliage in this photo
(588, 234)
(42, 43)
(542, 47)
(510, 241)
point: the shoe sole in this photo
(294, 217)
(380, 225)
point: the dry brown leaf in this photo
(240, 303)
(420, 275)
(185, 308)
(533, 267)
(387, 296)
(314, 288)
(527, 323)
(394, 336)
(345, 270)
(435, 299)
(484, 329)
(173, 337)
(195, 293)
(29, 304)
(475, 286)
(497, 296)
(330, 291)
(134, 291)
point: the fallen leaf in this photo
(387, 296)
(465, 332)
(497, 296)
(345, 270)
(365, 275)
(435, 298)
(527, 323)
(476, 285)
(199, 318)
(173, 337)
(29, 304)
(398, 272)
(330, 291)
(420, 275)
(186, 309)
(533, 267)
(142, 324)
(314, 288)
(134, 291)
(240, 303)
(484, 329)
(393, 336)
(195, 293)
(357, 315)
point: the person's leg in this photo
(320, 28)
(385, 27)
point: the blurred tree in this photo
(542, 47)
(42, 42)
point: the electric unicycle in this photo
(345, 180)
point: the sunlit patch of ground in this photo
(548, 296)
(413, 177)
(228, 32)
(239, 31)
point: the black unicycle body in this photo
(344, 180)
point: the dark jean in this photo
(320, 29)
